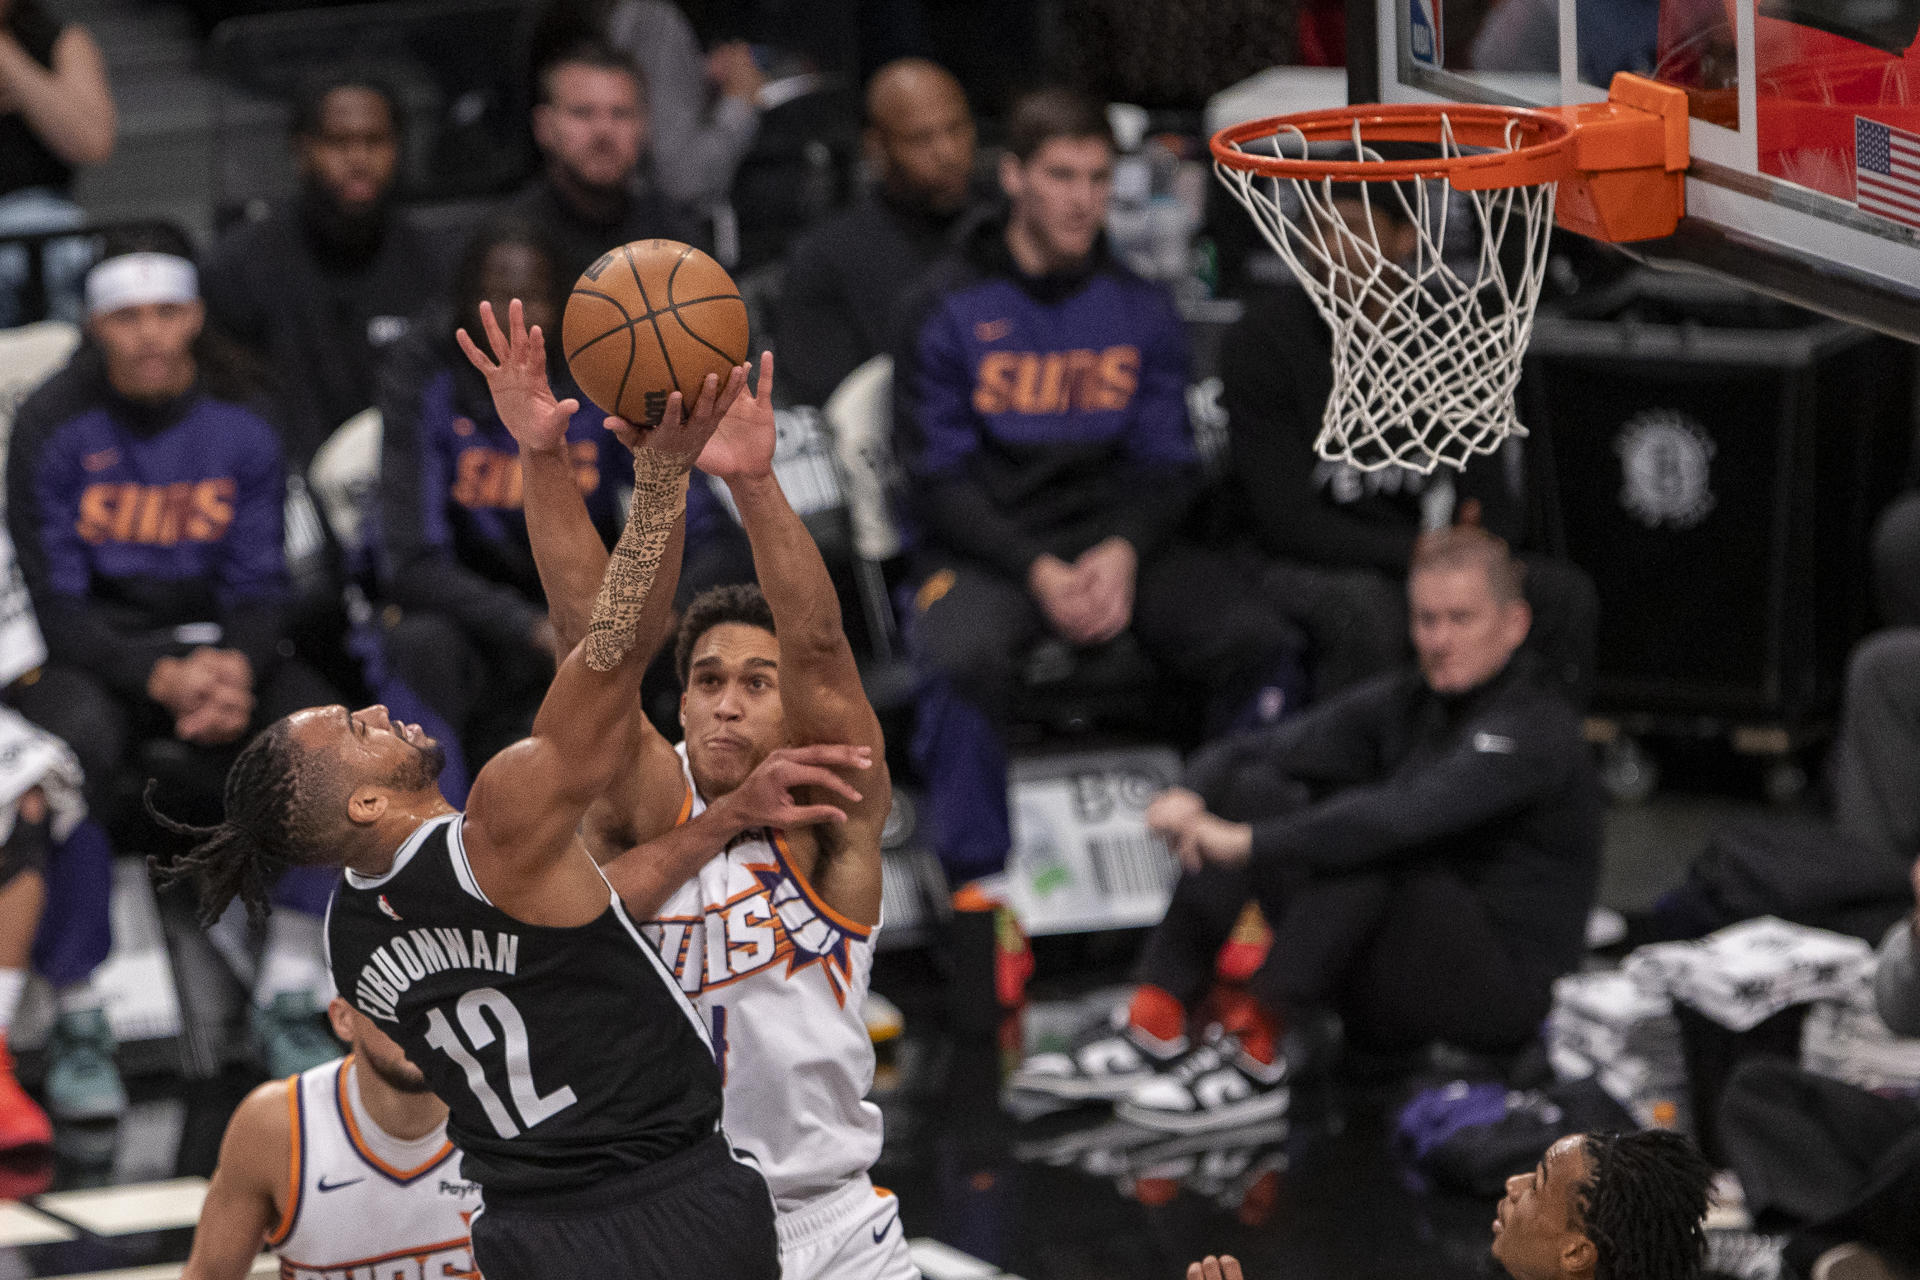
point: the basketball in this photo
(648, 319)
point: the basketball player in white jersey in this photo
(343, 1171)
(764, 906)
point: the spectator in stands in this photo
(1839, 1165)
(144, 497)
(1426, 847)
(847, 275)
(1041, 420)
(705, 109)
(320, 287)
(471, 634)
(1337, 539)
(56, 115)
(596, 193)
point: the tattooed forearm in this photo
(659, 496)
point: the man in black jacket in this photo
(1426, 847)
(596, 191)
(845, 277)
(320, 288)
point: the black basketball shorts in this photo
(698, 1213)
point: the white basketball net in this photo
(1426, 353)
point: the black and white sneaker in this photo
(1216, 1085)
(1103, 1063)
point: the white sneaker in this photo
(1216, 1085)
(1103, 1064)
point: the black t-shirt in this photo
(565, 1056)
(580, 239)
(321, 320)
(1276, 365)
(26, 161)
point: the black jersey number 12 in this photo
(527, 1100)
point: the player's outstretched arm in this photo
(820, 688)
(647, 874)
(571, 559)
(527, 802)
(249, 1189)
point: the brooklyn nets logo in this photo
(1665, 458)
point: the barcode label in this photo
(1128, 865)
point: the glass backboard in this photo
(1805, 175)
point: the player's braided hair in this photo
(262, 835)
(1644, 1205)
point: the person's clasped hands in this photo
(1088, 601)
(209, 692)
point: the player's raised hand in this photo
(680, 433)
(517, 376)
(766, 798)
(742, 448)
(1211, 1268)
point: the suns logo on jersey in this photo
(776, 922)
(450, 1261)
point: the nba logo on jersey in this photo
(1423, 31)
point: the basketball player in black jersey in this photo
(580, 1084)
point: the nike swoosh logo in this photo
(324, 1185)
(881, 1234)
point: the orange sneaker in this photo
(22, 1123)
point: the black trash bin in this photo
(1716, 460)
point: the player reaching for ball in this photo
(765, 907)
(580, 1085)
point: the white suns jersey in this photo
(355, 1214)
(779, 979)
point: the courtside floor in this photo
(1069, 1196)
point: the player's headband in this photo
(136, 279)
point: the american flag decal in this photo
(1886, 164)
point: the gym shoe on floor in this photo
(292, 1037)
(1101, 1065)
(883, 1018)
(82, 1081)
(23, 1124)
(1215, 1085)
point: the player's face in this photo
(1534, 1227)
(926, 145)
(1060, 195)
(519, 271)
(1462, 632)
(731, 709)
(372, 747)
(374, 1049)
(149, 348)
(355, 152)
(593, 126)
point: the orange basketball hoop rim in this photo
(1619, 165)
